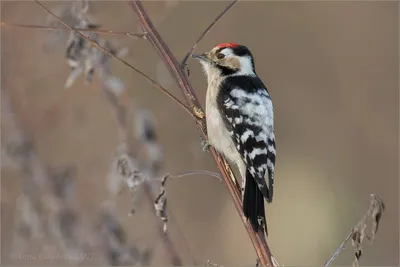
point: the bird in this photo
(240, 124)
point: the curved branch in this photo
(257, 239)
(194, 172)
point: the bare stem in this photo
(150, 80)
(340, 248)
(100, 31)
(185, 59)
(199, 172)
(195, 172)
(257, 239)
(168, 245)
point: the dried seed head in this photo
(377, 209)
(357, 241)
(160, 204)
(374, 212)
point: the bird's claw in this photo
(205, 145)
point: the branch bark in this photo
(257, 239)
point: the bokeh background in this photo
(332, 70)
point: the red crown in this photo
(230, 45)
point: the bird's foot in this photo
(205, 145)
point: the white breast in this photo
(218, 134)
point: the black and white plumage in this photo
(240, 123)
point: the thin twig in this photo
(185, 59)
(168, 245)
(150, 80)
(195, 172)
(199, 172)
(257, 239)
(340, 248)
(100, 31)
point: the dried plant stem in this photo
(168, 245)
(206, 31)
(125, 137)
(150, 80)
(258, 239)
(340, 248)
(197, 172)
(357, 226)
(100, 31)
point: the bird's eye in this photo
(220, 56)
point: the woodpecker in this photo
(240, 123)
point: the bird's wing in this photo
(249, 119)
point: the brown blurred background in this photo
(332, 70)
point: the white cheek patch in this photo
(246, 66)
(245, 62)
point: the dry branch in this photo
(358, 232)
(100, 31)
(258, 239)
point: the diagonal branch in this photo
(257, 239)
(150, 80)
(207, 30)
(100, 31)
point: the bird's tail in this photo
(253, 203)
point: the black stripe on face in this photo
(225, 71)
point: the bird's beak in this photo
(201, 57)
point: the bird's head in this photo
(227, 59)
